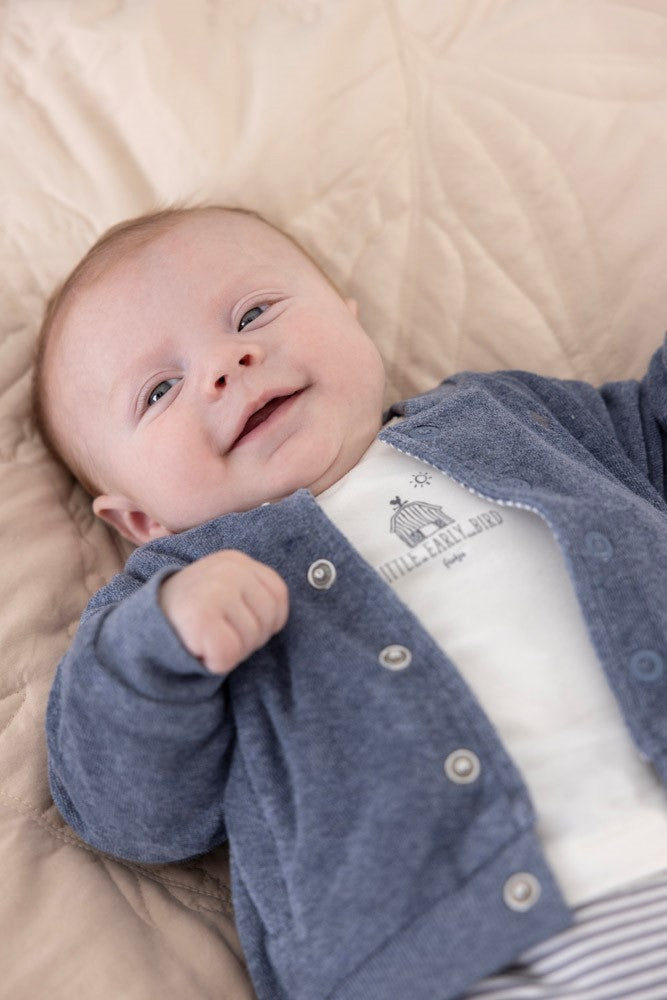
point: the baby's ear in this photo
(131, 523)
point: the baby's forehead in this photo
(206, 247)
(220, 228)
(192, 253)
(180, 236)
(121, 282)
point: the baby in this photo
(275, 666)
(191, 412)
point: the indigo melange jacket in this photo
(362, 868)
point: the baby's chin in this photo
(316, 477)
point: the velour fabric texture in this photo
(357, 868)
(486, 178)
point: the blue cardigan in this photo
(362, 868)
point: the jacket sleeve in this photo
(638, 412)
(138, 732)
(622, 424)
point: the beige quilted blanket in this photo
(487, 177)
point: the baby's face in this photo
(210, 371)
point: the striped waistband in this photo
(615, 949)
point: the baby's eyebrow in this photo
(131, 377)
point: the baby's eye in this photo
(251, 315)
(160, 390)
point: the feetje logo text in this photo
(429, 533)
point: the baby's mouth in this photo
(264, 412)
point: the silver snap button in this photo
(395, 657)
(462, 766)
(647, 665)
(423, 432)
(598, 546)
(321, 574)
(521, 891)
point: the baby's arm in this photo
(140, 734)
(631, 413)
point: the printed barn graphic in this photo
(414, 520)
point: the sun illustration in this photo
(420, 479)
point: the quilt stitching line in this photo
(21, 690)
(74, 841)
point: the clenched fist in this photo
(224, 607)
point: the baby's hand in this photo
(224, 607)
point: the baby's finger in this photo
(268, 611)
(222, 647)
(244, 621)
(270, 598)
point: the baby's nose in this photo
(245, 361)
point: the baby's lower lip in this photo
(264, 414)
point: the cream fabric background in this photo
(486, 177)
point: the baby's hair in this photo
(118, 241)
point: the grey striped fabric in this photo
(616, 948)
